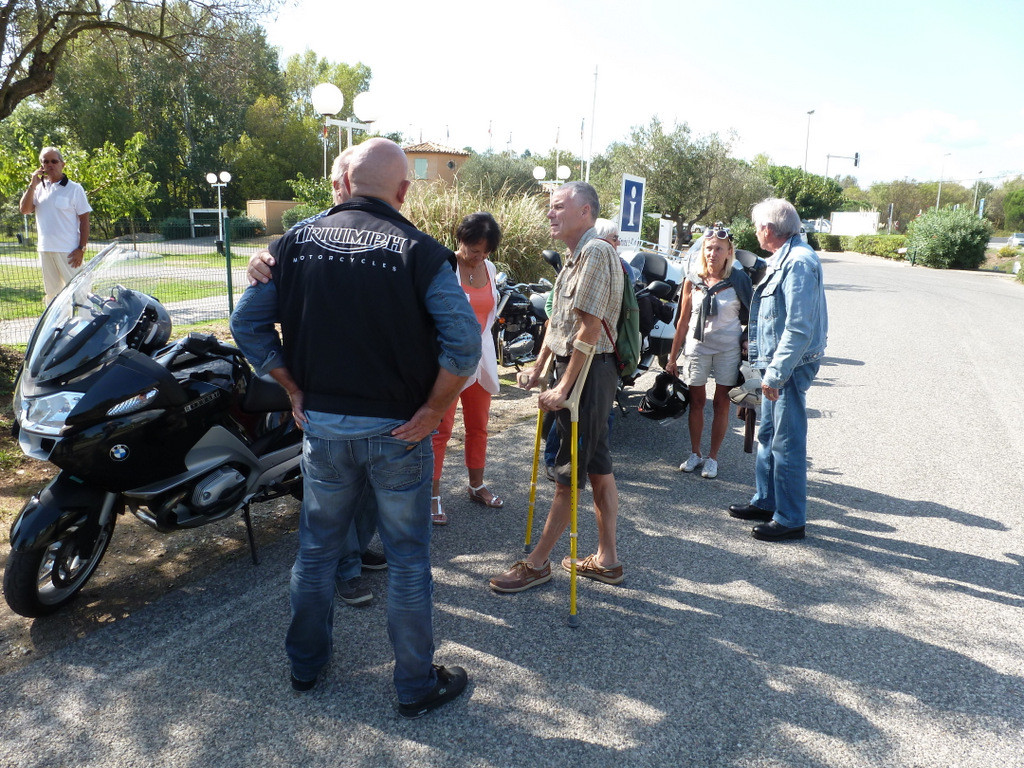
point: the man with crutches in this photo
(588, 291)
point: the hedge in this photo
(885, 246)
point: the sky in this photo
(922, 90)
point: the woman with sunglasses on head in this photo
(478, 236)
(712, 318)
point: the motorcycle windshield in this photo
(88, 321)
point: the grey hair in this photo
(44, 150)
(606, 228)
(340, 164)
(779, 215)
(586, 194)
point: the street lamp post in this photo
(220, 181)
(976, 183)
(328, 101)
(562, 172)
(807, 144)
(942, 173)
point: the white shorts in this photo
(723, 367)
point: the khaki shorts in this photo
(723, 367)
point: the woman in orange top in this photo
(478, 235)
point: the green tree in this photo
(686, 176)
(36, 35)
(187, 109)
(813, 196)
(116, 180)
(491, 173)
(303, 71)
(949, 239)
(909, 199)
(1013, 206)
(273, 146)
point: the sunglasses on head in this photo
(721, 234)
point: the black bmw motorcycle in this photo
(181, 434)
(519, 320)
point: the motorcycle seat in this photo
(263, 394)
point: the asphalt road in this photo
(891, 636)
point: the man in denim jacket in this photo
(787, 332)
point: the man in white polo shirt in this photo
(62, 220)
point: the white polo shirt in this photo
(58, 207)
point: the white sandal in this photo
(474, 495)
(439, 517)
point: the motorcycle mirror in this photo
(501, 278)
(746, 258)
(660, 289)
(545, 282)
(552, 258)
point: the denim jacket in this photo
(788, 316)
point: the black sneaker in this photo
(352, 592)
(302, 685)
(450, 683)
(373, 561)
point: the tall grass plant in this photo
(437, 209)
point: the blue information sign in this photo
(631, 212)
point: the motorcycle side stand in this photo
(249, 534)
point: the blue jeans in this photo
(780, 471)
(335, 473)
(360, 534)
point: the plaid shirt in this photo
(591, 282)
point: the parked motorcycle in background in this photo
(181, 434)
(519, 320)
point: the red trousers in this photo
(476, 406)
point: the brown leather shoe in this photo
(589, 568)
(521, 577)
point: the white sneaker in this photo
(710, 468)
(691, 463)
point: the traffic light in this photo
(856, 159)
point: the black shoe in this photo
(373, 561)
(450, 683)
(352, 592)
(302, 685)
(774, 532)
(749, 512)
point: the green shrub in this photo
(293, 216)
(1008, 252)
(813, 241)
(245, 227)
(830, 243)
(949, 239)
(744, 237)
(885, 246)
(175, 228)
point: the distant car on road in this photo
(1016, 240)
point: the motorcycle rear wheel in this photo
(40, 582)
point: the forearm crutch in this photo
(573, 404)
(544, 374)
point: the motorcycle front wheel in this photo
(41, 581)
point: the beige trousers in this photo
(56, 272)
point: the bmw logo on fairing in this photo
(119, 452)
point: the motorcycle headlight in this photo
(133, 404)
(46, 415)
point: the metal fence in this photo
(189, 276)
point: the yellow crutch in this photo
(573, 404)
(545, 372)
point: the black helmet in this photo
(153, 329)
(667, 399)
